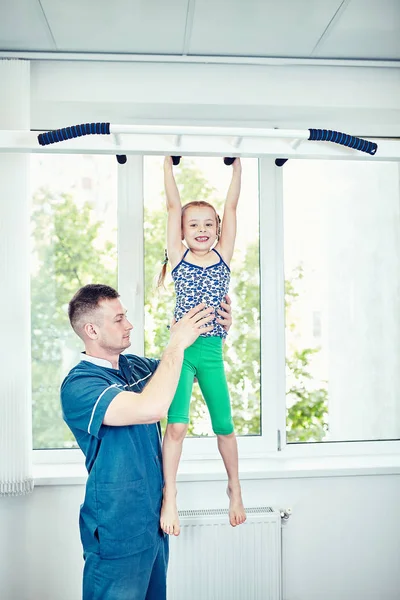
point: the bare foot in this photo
(237, 514)
(169, 519)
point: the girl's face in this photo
(199, 227)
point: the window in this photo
(327, 279)
(342, 300)
(317, 325)
(74, 235)
(208, 179)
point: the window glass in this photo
(73, 242)
(208, 179)
(342, 275)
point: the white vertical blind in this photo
(15, 353)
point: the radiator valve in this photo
(285, 513)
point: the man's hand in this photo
(187, 330)
(225, 312)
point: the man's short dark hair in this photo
(85, 301)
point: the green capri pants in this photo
(204, 360)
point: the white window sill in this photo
(260, 468)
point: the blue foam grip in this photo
(344, 139)
(59, 135)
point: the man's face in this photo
(112, 327)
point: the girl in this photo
(200, 270)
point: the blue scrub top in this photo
(121, 510)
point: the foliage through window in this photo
(73, 243)
(342, 268)
(342, 279)
(208, 179)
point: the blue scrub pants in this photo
(141, 576)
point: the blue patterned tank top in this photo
(195, 284)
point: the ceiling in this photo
(309, 29)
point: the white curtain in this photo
(15, 345)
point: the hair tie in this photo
(165, 261)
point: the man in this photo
(113, 404)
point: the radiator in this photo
(211, 560)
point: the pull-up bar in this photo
(176, 140)
(344, 139)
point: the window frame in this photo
(272, 441)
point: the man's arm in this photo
(129, 408)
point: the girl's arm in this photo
(175, 248)
(226, 242)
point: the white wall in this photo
(359, 101)
(343, 538)
(341, 542)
